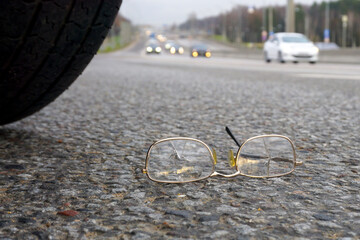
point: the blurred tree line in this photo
(243, 24)
(120, 35)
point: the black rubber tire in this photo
(266, 58)
(44, 47)
(280, 58)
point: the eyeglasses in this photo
(182, 159)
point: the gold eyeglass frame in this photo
(214, 158)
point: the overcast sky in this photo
(160, 12)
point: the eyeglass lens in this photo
(266, 157)
(179, 161)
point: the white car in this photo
(292, 47)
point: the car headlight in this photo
(149, 49)
(172, 50)
(195, 54)
(158, 49)
(181, 50)
(208, 54)
(316, 49)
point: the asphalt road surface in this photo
(74, 170)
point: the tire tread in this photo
(47, 65)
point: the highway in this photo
(302, 69)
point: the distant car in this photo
(153, 48)
(176, 48)
(292, 47)
(200, 50)
(169, 44)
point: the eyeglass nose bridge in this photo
(225, 175)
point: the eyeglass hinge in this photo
(298, 163)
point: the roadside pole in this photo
(290, 16)
(344, 19)
(327, 23)
(271, 29)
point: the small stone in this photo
(100, 229)
(138, 194)
(322, 217)
(226, 209)
(235, 204)
(25, 220)
(106, 196)
(179, 213)
(302, 228)
(49, 209)
(207, 218)
(197, 195)
(14, 167)
(141, 210)
(245, 229)
(140, 235)
(220, 233)
(25, 176)
(118, 190)
(329, 224)
(192, 203)
(156, 216)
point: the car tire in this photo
(280, 58)
(266, 57)
(44, 47)
(312, 62)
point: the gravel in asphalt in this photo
(74, 170)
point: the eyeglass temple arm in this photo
(232, 136)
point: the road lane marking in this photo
(327, 76)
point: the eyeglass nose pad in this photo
(214, 156)
(231, 159)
